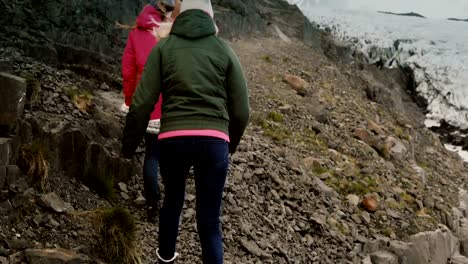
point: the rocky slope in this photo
(339, 169)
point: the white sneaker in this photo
(124, 108)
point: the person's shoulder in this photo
(223, 42)
(226, 47)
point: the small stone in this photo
(17, 258)
(428, 202)
(393, 214)
(20, 186)
(353, 200)
(365, 216)
(384, 257)
(4, 260)
(104, 87)
(312, 163)
(370, 204)
(420, 204)
(285, 108)
(125, 196)
(190, 197)
(259, 171)
(18, 244)
(374, 127)
(309, 240)
(38, 219)
(332, 222)
(335, 155)
(356, 219)
(54, 202)
(53, 222)
(123, 187)
(325, 189)
(19, 200)
(325, 176)
(6, 206)
(189, 213)
(140, 200)
(254, 249)
(395, 145)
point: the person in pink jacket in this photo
(141, 40)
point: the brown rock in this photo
(13, 90)
(55, 256)
(364, 135)
(374, 127)
(370, 204)
(297, 83)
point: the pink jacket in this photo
(141, 41)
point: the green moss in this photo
(404, 197)
(104, 186)
(267, 59)
(342, 229)
(424, 166)
(277, 133)
(387, 232)
(276, 117)
(395, 205)
(318, 170)
(358, 187)
(399, 132)
(257, 118)
(80, 97)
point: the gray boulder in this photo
(13, 91)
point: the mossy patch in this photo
(276, 117)
(103, 185)
(267, 58)
(359, 187)
(399, 132)
(81, 98)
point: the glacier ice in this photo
(435, 49)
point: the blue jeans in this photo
(210, 159)
(150, 169)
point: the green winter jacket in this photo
(200, 80)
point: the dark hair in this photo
(164, 6)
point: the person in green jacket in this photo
(204, 114)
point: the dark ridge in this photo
(458, 19)
(412, 14)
